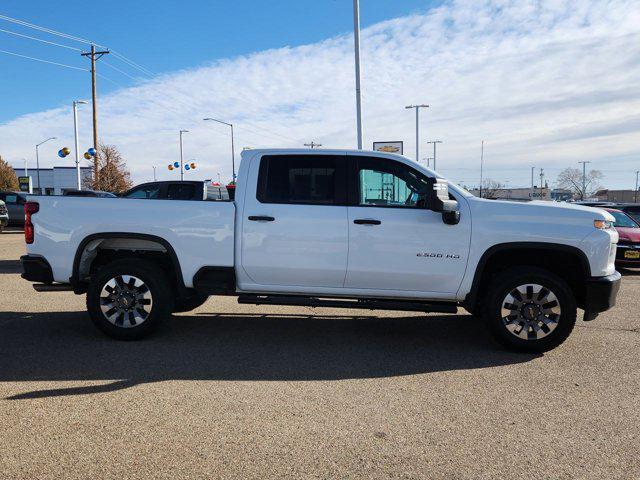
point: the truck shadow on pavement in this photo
(10, 266)
(65, 346)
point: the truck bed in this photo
(199, 232)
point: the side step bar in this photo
(52, 287)
(370, 304)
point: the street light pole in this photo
(75, 130)
(356, 45)
(417, 107)
(481, 165)
(532, 185)
(434, 151)
(38, 161)
(233, 154)
(635, 194)
(182, 155)
(584, 178)
(154, 173)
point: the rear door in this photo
(294, 227)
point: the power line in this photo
(44, 61)
(39, 39)
(48, 30)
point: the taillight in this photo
(29, 209)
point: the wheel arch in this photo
(142, 242)
(558, 258)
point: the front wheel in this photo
(530, 310)
(128, 299)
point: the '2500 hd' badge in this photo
(438, 255)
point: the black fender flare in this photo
(78, 286)
(471, 298)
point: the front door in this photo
(395, 243)
(294, 228)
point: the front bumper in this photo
(36, 269)
(600, 294)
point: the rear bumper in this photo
(601, 293)
(36, 269)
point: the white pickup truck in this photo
(334, 228)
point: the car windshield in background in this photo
(623, 220)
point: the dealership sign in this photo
(24, 184)
(388, 147)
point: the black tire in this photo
(124, 326)
(190, 303)
(524, 316)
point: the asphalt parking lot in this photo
(240, 391)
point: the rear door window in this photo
(302, 179)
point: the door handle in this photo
(367, 221)
(261, 218)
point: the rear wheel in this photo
(529, 309)
(128, 299)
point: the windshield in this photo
(623, 220)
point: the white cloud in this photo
(543, 83)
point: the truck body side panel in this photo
(201, 233)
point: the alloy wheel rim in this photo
(126, 301)
(530, 311)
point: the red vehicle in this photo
(628, 254)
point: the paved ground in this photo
(238, 391)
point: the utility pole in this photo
(635, 194)
(312, 144)
(434, 151)
(38, 163)
(584, 178)
(417, 107)
(356, 48)
(541, 193)
(182, 155)
(94, 56)
(481, 164)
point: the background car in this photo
(179, 190)
(628, 254)
(4, 216)
(15, 205)
(89, 193)
(631, 209)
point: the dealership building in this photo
(53, 181)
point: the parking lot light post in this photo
(75, 130)
(233, 155)
(38, 161)
(417, 107)
(182, 155)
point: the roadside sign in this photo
(388, 147)
(25, 185)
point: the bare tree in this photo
(571, 179)
(113, 175)
(491, 188)
(8, 178)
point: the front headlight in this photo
(603, 224)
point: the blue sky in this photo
(163, 36)
(544, 83)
